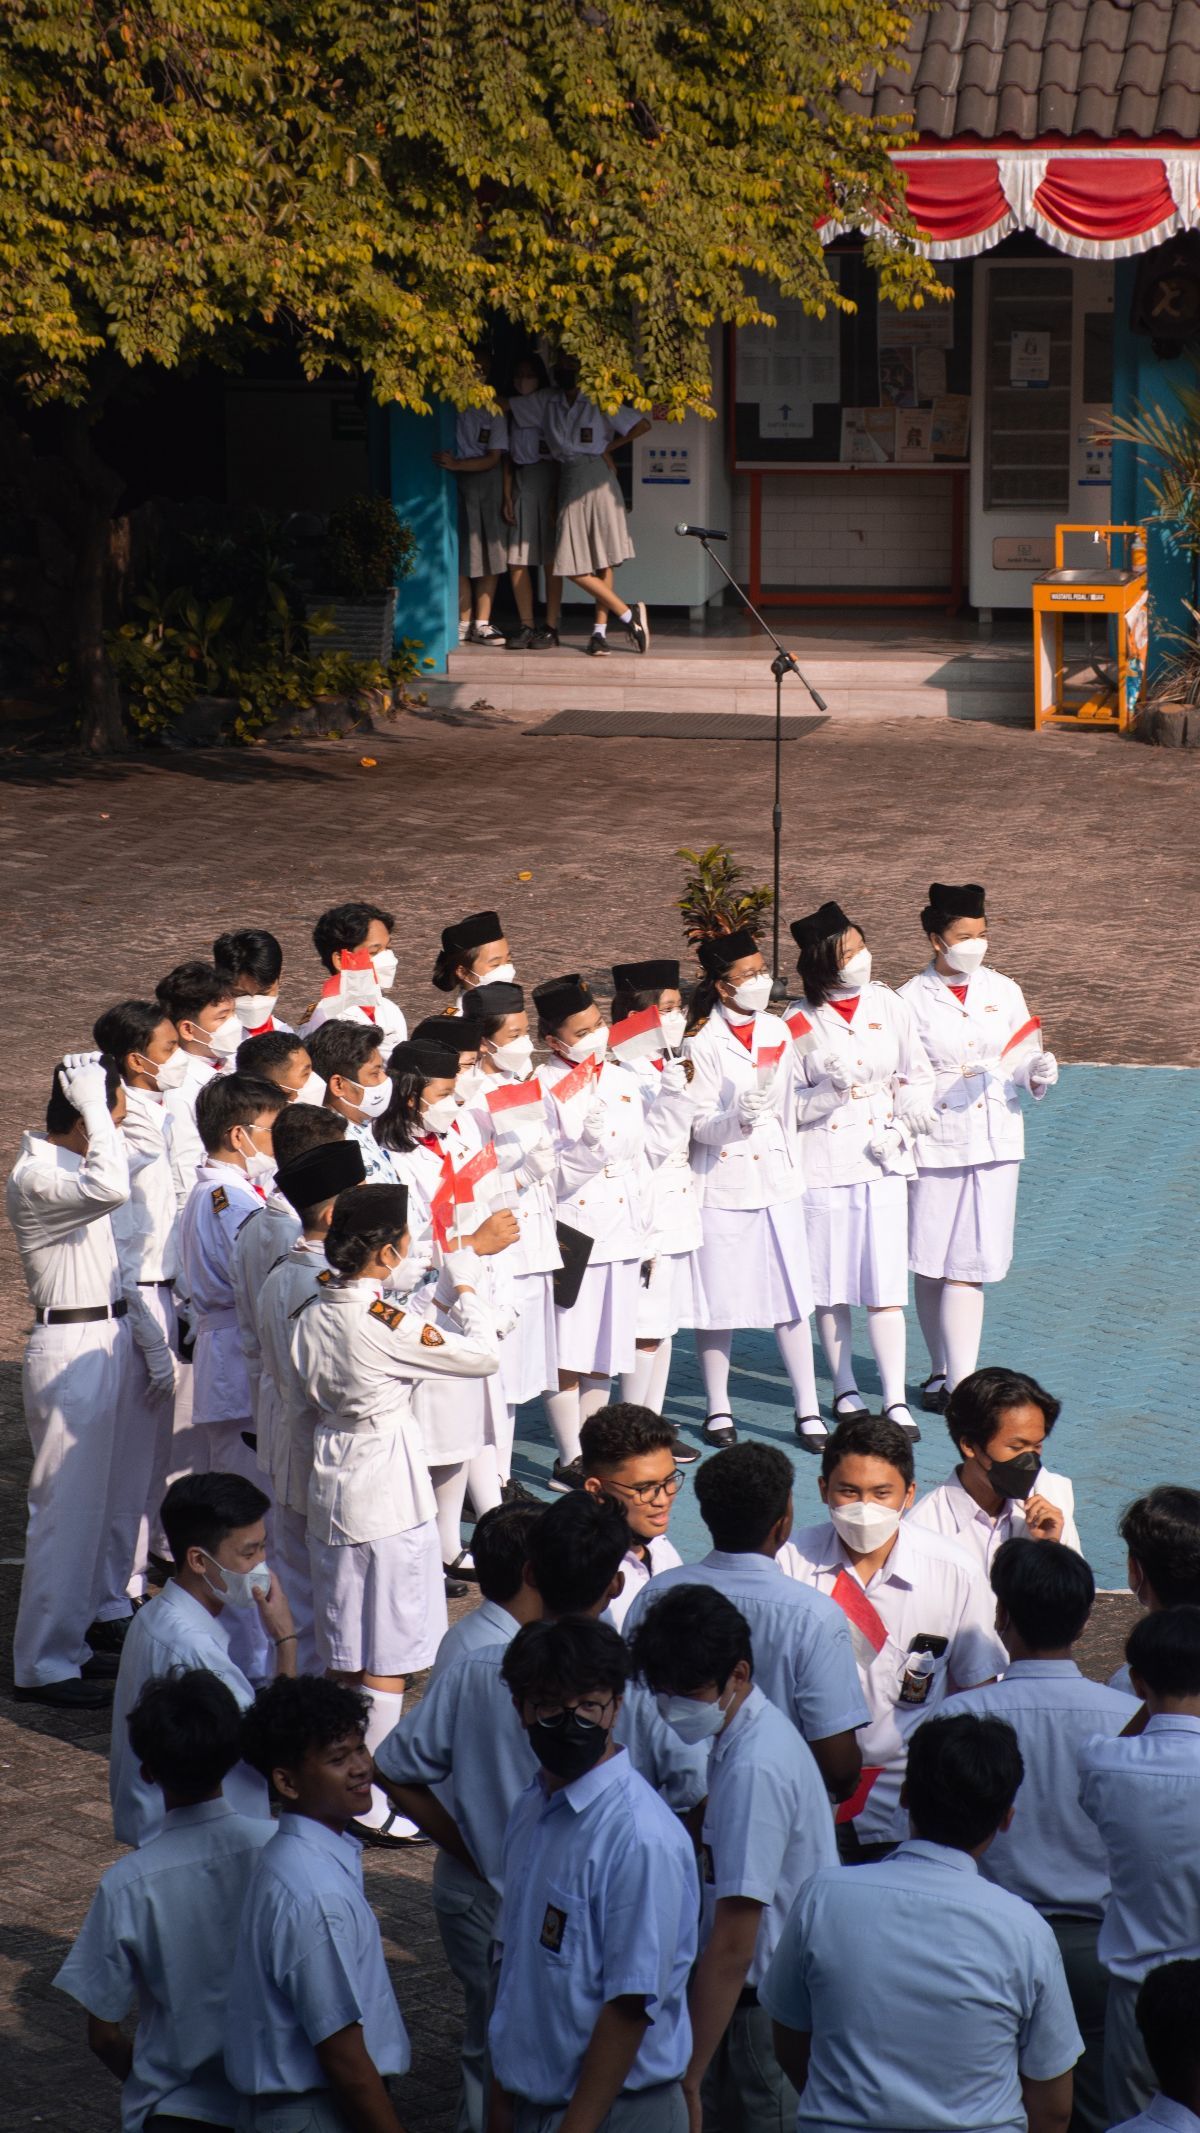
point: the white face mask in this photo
(171, 1074)
(260, 1168)
(593, 1046)
(240, 1586)
(753, 994)
(674, 1025)
(515, 1057)
(965, 956)
(254, 1008)
(373, 1101)
(312, 1091)
(385, 966)
(865, 1526)
(692, 1720)
(439, 1117)
(503, 974)
(856, 973)
(404, 1277)
(222, 1041)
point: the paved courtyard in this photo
(1089, 850)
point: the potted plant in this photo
(713, 900)
(1169, 716)
(367, 550)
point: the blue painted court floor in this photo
(1100, 1305)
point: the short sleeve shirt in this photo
(578, 429)
(477, 432)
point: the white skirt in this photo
(858, 1241)
(597, 1337)
(531, 536)
(529, 1354)
(665, 1302)
(593, 524)
(960, 1222)
(452, 1413)
(379, 1607)
(752, 1268)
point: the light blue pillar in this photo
(1140, 379)
(426, 602)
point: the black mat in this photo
(673, 726)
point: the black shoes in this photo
(523, 641)
(934, 1394)
(515, 1491)
(637, 629)
(597, 644)
(70, 1695)
(810, 1440)
(565, 1478)
(719, 1431)
(544, 639)
(108, 1637)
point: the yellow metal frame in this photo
(1054, 702)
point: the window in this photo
(1027, 450)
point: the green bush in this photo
(368, 549)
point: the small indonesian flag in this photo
(441, 1207)
(1024, 1045)
(355, 982)
(458, 1189)
(473, 1172)
(765, 1063)
(804, 1036)
(508, 1103)
(574, 1083)
(637, 1037)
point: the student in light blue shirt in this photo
(597, 1929)
(313, 2026)
(164, 1918)
(1143, 1794)
(805, 1660)
(768, 1825)
(507, 1600)
(1168, 2016)
(912, 1992)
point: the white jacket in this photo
(888, 1065)
(979, 1114)
(737, 1165)
(536, 1250)
(671, 1194)
(600, 1179)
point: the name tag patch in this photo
(485, 436)
(554, 1925)
(220, 1199)
(585, 436)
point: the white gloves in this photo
(83, 1082)
(754, 1107)
(595, 1123)
(884, 1145)
(836, 1071)
(161, 1367)
(1043, 1071)
(539, 1161)
(921, 1119)
(674, 1076)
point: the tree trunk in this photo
(102, 729)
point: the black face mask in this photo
(568, 1751)
(1014, 1478)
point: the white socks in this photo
(833, 1325)
(593, 1395)
(660, 1371)
(449, 1489)
(634, 1382)
(483, 1481)
(962, 1329)
(714, 1351)
(562, 1413)
(385, 1711)
(795, 1346)
(886, 1330)
(927, 1295)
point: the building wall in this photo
(845, 530)
(1140, 378)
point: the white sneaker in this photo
(484, 633)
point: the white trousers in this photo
(142, 1457)
(73, 1383)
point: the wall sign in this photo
(1023, 552)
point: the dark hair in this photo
(1162, 1533)
(935, 921)
(400, 1126)
(622, 1431)
(742, 1493)
(1168, 2015)
(486, 1026)
(449, 961)
(128, 1027)
(690, 1637)
(529, 359)
(61, 1114)
(627, 1001)
(500, 1548)
(230, 1100)
(342, 1047)
(963, 1776)
(273, 1048)
(186, 1728)
(976, 1404)
(347, 926)
(251, 952)
(868, 1437)
(191, 987)
(1163, 1650)
(294, 1714)
(560, 1659)
(702, 1002)
(202, 1510)
(1046, 1589)
(818, 964)
(299, 1127)
(364, 1219)
(575, 1551)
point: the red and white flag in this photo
(510, 1103)
(804, 1036)
(637, 1037)
(355, 983)
(765, 1063)
(576, 1082)
(1023, 1045)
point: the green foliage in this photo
(368, 549)
(713, 901)
(1168, 445)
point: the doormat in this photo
(673, 726)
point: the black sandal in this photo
(909, 1428)
(934, 1402)
(805, 1439)
(848, 1413)
(719, 1431)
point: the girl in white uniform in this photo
(865, 1091)
(479, 439)
(592, 532)
(599, 1136)
(530, 503)
(474, 951)
(751, 1268)
(672, 1200)
(962, 1206)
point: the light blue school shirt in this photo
(172, 1630)
(601, 1902)
(1052, 1855)
(803, 1658)
(1143, 1794)
(927, 1992)
(1161, 2115)
(768, 1823)
(160, 1930)
(309, 1962)
(489, 1623)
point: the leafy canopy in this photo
(375, 179)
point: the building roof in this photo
(1032, 68)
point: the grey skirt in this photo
(531, 535)
(482, 533)
(593, 525)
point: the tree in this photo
(182, 180)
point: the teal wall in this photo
(1139, 378)
(426, 602)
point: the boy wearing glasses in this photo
(628, 1456)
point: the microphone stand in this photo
(782, 664)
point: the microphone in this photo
(703, 533)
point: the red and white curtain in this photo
(1098, 205)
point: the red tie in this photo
(744, 1032)
(847, 1009)
(868, 1637)
(960, 994)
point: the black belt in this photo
(163, 1282)
(82, 1315)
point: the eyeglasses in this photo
(591, 1712)
(646, 1491)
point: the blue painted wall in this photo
(1139, 378)
(426, 602)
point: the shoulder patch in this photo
(694, 1028)
(325, 1276)
(220, 1199)
(306, 1013)
(391, 1317)
(431, 1338)
(689, 1070)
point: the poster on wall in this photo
(786, 368)
(1029, 359)
(951, 426)
(665, 466)
(868, 436)
(914, 436)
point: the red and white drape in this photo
(1094, 205)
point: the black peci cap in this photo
(492, 998)
(658, 974)
(472, 932)
(963, 902)
(820, 925)
(321, 1173)
(558, 998)
(723, 950)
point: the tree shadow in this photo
(216, 766)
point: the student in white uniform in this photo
(1161, 1532)
(313, 2031)
(530, 503)
(920, 1613)
(198, 999)
(592, 531)
(999, 1421)
(157, 1935)
(805, 1661)
(252, 960)
(598, 1919)
(1143, 1794)
(279, 1055)
(752, 1267)
(914, 1992)
(864, 1093)
(217, 1535)
(628, 1455)
(670, 1185)
(767, 1827)
(480, 438)
(354, 941)
(65, 1185)
(962, 1205)
(600, 1139)
(474, 951)
(1168, 2015)
(348, 1058)
(1051, 1854)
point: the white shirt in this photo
(259, 1246)
(1161, 2115)
(737, 1165)
(1052, 1854)
(477, 431)
(578, 429)
(186, 1149)
(927, 1587)
(536, 1249)
(287, 1414)
(600, 1177)
(669, 1185)
(159, 1931)
(882, 1052)
(637, 1570)
(149, 1223)
(1143, 1794)
(768, 1824)
(221, 1202)
(979, 1114)
(172, 1630)
(953, 1512)
(383, 1016)
(527, 440)
(59, 1205)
